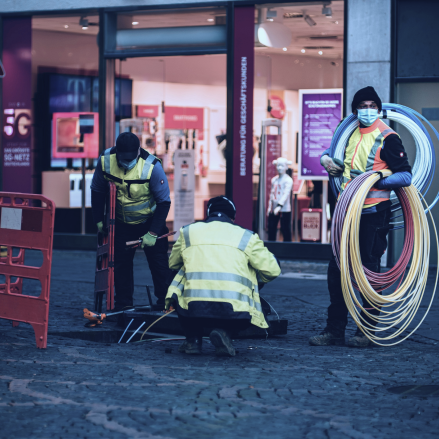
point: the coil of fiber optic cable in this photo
(378, 281)
(397, 308)
(425, 162)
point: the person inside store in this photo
(142, 205)
(216, 289)
(279, 204)
(372, 146)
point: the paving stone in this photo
(281, 388)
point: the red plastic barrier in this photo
(25, 226)
(104, 277)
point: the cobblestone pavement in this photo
(277, 388)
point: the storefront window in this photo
(298, 48)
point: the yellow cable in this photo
(408, 296)
(153, 323)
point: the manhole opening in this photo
(107, 336)
(416, 390)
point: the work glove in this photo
(334, 167)
(277, 210)
(355, 173)
(100, 226)
(168, 303)
(148, 240)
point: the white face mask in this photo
(367, 116)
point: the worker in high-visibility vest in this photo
(372, 146)
(142, 205)
(216, 288)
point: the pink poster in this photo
(184, 118)
(75, 135)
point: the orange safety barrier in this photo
(104, 277)
(24, 225)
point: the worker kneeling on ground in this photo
(216, 288)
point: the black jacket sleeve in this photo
(159, 219)
(393, 153)
(98, 205)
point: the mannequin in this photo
(279, 205)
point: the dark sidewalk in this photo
(280, 387)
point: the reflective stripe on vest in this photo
(222, 294)
(187, 240)
(363, 154)
(230, 277)
(245, 240)
(134, 201)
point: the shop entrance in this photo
(123, 68)
(297, 106)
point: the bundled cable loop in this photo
(425, 163)
(398, 308)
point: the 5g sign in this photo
(16, 122)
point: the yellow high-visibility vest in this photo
(134, 201)
(221, 262)
(363, 154)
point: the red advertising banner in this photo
(243, 79)
(17, 94)
(75, 135)
(184, 118)
(273, 152)
(148, 111)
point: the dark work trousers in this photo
(285, 226)
(374, 228)
(195, 327)
(157, 257)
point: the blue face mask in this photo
(367, 116)
(127, 165)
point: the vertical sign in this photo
(17, 93)
(321, 112)
(184, 188)
(273, 151)
(243, 78)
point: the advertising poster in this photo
(17, 94)
(184, 188)
(75, 135)
(320, 113)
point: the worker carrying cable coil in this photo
(373, 146)
(216, 289)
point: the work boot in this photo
(359, 340)
(222, 342)
(326, 338)
(191, 346)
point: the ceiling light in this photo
(210, 19)
(135, 23)
(84, 27)
(309, 20)
(284, 49)
(320, 52)
(335, 22)
(326, 10)
(269, 19)
(66, 26)
(303, 50)
(274, 35)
